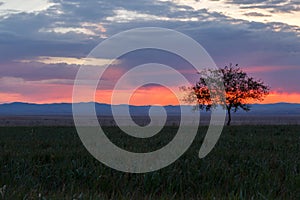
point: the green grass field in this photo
(248, 162)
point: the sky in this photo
(43, 43)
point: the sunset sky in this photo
(43, 43)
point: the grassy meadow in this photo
(248, 162)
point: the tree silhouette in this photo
(239, 89)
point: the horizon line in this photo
(33, 103)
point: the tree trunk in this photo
(229, 116)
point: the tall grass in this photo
(248, 162)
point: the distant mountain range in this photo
(65, 109)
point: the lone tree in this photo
(239, 89)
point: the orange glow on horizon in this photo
(143, 96)
(280, 97)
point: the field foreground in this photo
(248, 162)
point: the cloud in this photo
(18, 6)
(34, 71)
(66, 28)
(275, 5)
(256, 14)
(125, 16)
(55, 39)
(99, 62)
(78, 27)
(16, 47)
(249, 43)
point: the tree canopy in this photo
(239, 88)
